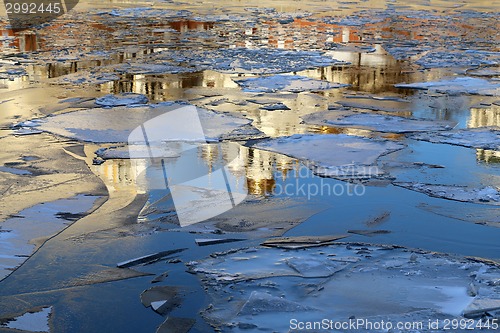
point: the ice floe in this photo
(459, 85)
(288, 83)
(484, 138)
(114, 125)
(343, 282)
(379, 123)
(21, 235)
(341, 155)
(486, 195)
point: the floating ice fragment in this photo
(484, 138)
(122, 100)
(289, 83)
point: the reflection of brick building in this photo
(18, 41)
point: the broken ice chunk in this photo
(161, 299)
(121, 100)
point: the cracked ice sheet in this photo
(288, 83)
(114, 125)
(336, 282)
(379, 123)
(459, 85)
(486, 195)
(482, 138)
(339, 156)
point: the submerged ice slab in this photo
(377, 122)
(339, 282)
(32, 321)
(483, 138)
(114, 125)
(459, 85)
(486, 195)
(341, 155)
(288, 83)
(122, 100)
(21, 235)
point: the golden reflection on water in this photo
(251, 169)
(488, 156)
(483, 117)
